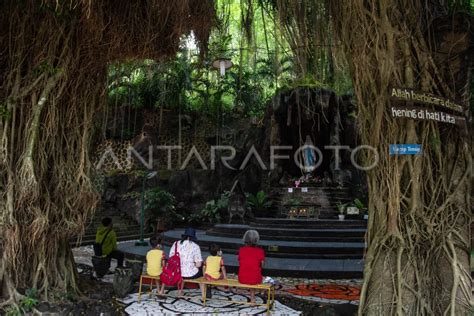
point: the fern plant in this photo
(259, 201)
(212, 210)
(359, 204)
(341, 207)
(294, 202)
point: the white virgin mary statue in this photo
(309, 156)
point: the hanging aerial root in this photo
(422, 202)
(53, 71)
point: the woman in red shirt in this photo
(251, 260)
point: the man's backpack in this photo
(171, 274)
(98, 246)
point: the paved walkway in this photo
(317, 290)
(192, 305)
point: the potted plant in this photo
(360, 205)
(341, 207)
(366, 215)
(294, 205)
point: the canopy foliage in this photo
(63, 61)
(266, 52)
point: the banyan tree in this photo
(417, 261)
(53, 69)
(417, 258)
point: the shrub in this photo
(259, 201)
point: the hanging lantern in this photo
(222, 65)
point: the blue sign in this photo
(405, 149)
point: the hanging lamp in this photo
(222, 64)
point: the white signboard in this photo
(290, 190)
(304, 189)
(352, 210)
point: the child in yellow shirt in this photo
(214, 265)
(155, 260)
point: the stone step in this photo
(324, 212)
(357, 239)
(99, 216)
(118, 230)
(274, 266)
(109, 211)
(116, 224)
(310, 193)
(321, 201)
(304, 197)
(125, 226)
(311, 188)
(115, 221)
(277, 248)
(278, 233)
(307, 223)
(318, 205)
(90, 239)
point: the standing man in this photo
(107, 237)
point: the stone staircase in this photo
(311, 248)
(315, 245)
(125, 226)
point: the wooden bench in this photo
(152, 280)
(269, 288)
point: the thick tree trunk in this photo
(419, 206)
(46, 195)
(53, 69)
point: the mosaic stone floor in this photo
(193, 305)
(316, 290)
